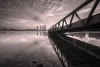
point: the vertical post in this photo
(59, 26)
(56, 27)
(79, 18)
(92, 11)
(63, 24)
(71, 20)
(66, 23)
(53, 28)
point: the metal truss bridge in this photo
(73, 52)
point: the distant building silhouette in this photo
(41, 28)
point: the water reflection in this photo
(20, 49)
(89, 37)
(77, 53)
(43, 33)
(36, 33)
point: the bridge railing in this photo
(63, 24)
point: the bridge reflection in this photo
(73, 52)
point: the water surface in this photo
(88, 37)
(21, 48)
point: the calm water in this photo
(20, 49)
(89, 37)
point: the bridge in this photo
(73, 52)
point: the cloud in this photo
(88, 9)
(30, 13)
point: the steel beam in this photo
(79, 18)
(78, 8)
(75, 26)
(71, 21)
(91, 12)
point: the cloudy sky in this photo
(23, 14)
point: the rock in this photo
(39, 65)
(34, 61)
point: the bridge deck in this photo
(78, 26)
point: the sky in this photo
(27, 14)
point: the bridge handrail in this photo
(74, 11)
